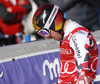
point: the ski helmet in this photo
(46, 17)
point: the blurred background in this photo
(16, 17)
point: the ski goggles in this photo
(44, 33)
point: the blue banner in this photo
(39, 69)
(34, 69)
(97, 81)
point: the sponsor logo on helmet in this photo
(52, 15)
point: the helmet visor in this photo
(44, 33)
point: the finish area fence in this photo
(34, 62)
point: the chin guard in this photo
(61, 32)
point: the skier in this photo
(78, 48)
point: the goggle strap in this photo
(51, 17)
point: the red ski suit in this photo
(77, 56)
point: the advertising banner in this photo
(97, 80)
(36, 68)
